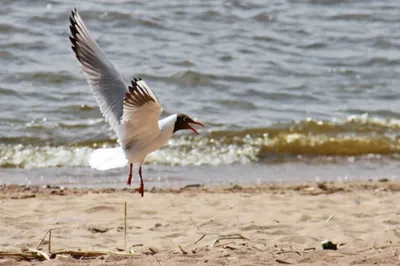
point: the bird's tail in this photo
(104, 159)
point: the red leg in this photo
(130, 176)
(141, 189)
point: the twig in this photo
(49, 241)
(153, 251)
(47, 232)
(230, 236)
(42, 239)
(311, 248)
(194, 223)
(183, 251)
(329, 219)
(282, 261)
(92, 253)
(29, 254)
(25, 255)
(223, 245)
(198, 240)
(233, 236)
(126, 210)
(299, 252)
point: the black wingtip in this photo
(72, 21)
(73, 41)
(73, 14)
(76, 53)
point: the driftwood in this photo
(34, 254)
(91, 253)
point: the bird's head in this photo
(183, 122)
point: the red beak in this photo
(194, 122)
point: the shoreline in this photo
(268, 224)
(16, 191)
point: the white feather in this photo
(105, 159)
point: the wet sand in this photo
(250, 225)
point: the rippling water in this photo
(282, 84)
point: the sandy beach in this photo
(231, 225)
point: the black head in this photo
(182, 122)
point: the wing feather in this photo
(106, 83)
(140, 114)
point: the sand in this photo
(255, 225)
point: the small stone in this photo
(326, 244)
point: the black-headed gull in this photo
(132, 110)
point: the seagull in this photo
(132, 110)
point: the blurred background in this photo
(288, 90)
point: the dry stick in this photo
(153, 251)
(198, 230)
(47, 232)
(229, 236)
(198, 240)
(329, 219)
(91, 253)
(126, 210)
(300, 253)
(24, 255)
(35, 254)
(49, 241)
(183, 251)
(194, 223)
(42, 239)
(223, 245)
(282, 261)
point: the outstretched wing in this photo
(105, 81)
(140, 116)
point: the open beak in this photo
(196, 123)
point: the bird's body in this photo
(132, 111)
(136, 152)
(137, 149)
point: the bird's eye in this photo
(184, 119)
